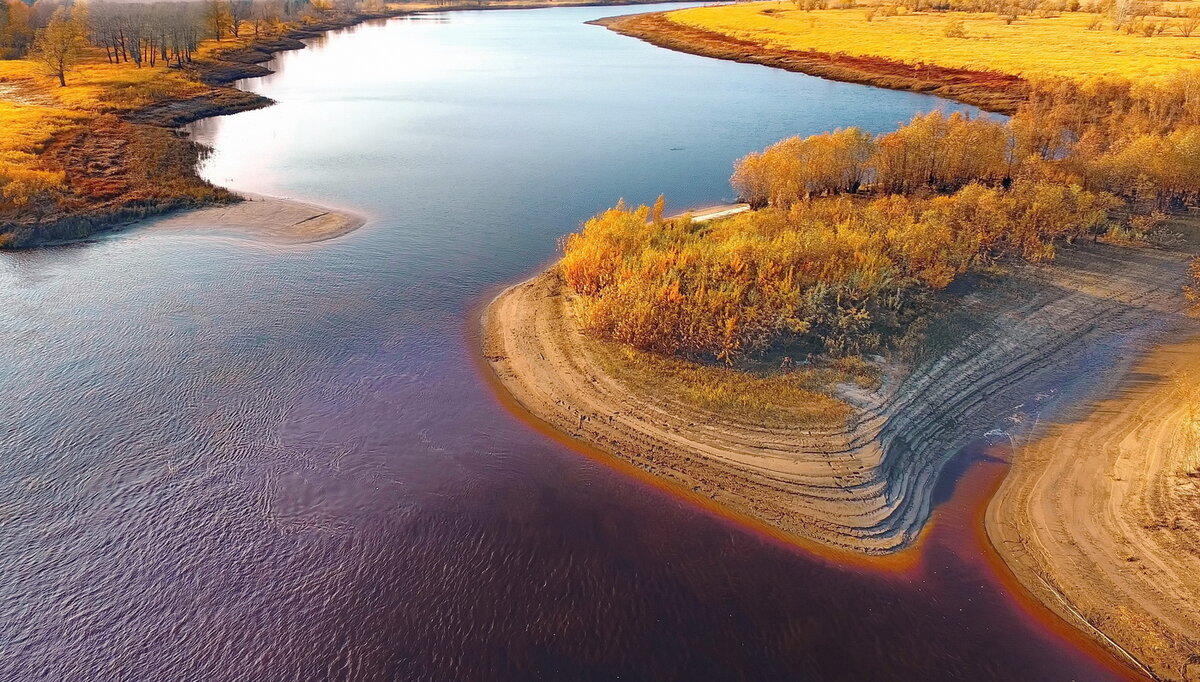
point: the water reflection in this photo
(237, 463)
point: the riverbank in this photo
(106, 150)
(987, 58)
(1099, 516)
(1036, 339)
(1000, 93)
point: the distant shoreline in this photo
(219, 71)
(994, 92)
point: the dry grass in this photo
(801, 397)
(34, 110)
(1031, 46)
(68, 159)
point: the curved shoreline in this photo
(992, 91)
(218, 70)
(1107, 537)
(864, 486)
(1047, 339)
(266, 219)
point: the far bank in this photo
(107, 151)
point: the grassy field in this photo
(34, 110)
(1073, 44)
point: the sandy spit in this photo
(261, 218)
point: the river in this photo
(224, 460)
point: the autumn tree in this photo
(58, 46)
(932, 151)
(798, 168)
(5, 20)
(1189, 23)
(16, 28)
(217, 17)
(240, 11)
(834, 271)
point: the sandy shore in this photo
(261, 218)
(1023, 346)
(1100, 516)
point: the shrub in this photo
(834, 272)
(955, 29)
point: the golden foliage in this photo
(796, 168)
(35, 114)
(932, 151)
(838, 272)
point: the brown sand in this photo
(265, 219)
(1100, 516)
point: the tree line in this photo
(836, 273)
(1139, 142)
(56, 31)
(852, 232)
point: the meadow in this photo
(1029, 40)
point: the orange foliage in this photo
(838, 271)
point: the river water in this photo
(224, 460)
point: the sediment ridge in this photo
(265, 219)
(1012, 352)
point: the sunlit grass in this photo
(1032, 45)
(35, 113)
(802, 397)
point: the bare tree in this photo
(240, 12)
(216, 17)
(1190, 23)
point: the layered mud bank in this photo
(1099, 517)
(1011, 353)
(992, 91)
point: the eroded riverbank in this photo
(1028, 343)
(992, 91)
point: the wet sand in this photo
(265, 219)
